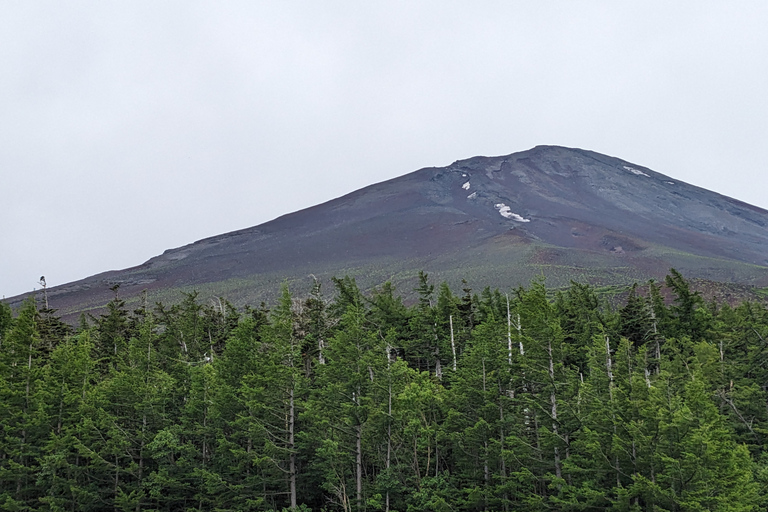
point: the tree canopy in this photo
(530, 400)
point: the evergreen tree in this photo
(452, 333)
(419, 413)
(423, 347)
(635, 319)
(688, 317)
(348, 391)
(22, 417)
(272, 397)
(6, 319)
(388, 315)
(314, 329)
(70, 377)
(481, 417)
(698, 465)
(125, 412)
(741, 371)
(112, 333)
(553, 404)
(582, 317)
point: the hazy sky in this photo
(128, 128)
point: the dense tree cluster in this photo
(521, 402)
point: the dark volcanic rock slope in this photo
(564, 213)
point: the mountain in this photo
(500, 221)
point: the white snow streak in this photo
(636, 171)
(465, 186)
(472, 195)
(507, 213)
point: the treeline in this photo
(524, 401)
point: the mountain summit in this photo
(500, 221)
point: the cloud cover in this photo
(128, 129)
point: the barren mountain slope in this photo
(499, 221)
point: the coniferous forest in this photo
(528, 401)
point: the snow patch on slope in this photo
(637, 172)
(507, 213)
(465, 186)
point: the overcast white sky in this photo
(127, 128)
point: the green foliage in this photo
(524, 401)
(6, 318)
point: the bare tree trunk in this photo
(117, 482)
(141, 457)
(416, 460)
(537, 438)
(61, 409)
(359, 466)
(484, 377)
(453, 343)
(248, 449)
(553, 401)
(205, 434)
(609, 369)
(609, 366)
(486, 475)
(501, 450)
(509, 334)
(45, 290)
(486, 470)
(389, 438)
(647, 372)
(656, 338)
(144, 418)
(567, 439)
(26, 410)
(358, 457)
(292, 447)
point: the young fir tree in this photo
(22, 415)
(451, 330)
(272, 394)
(582, 316)
(6, 319)
(69, 380)
(688, 317)
(423, 456)
(126, 410)
(423, 348)
(113, 330)
(350, 387)
(481, 417)
(314, 328)
(743, 354)
(636, 319)
(698, 466)
(386, 446)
